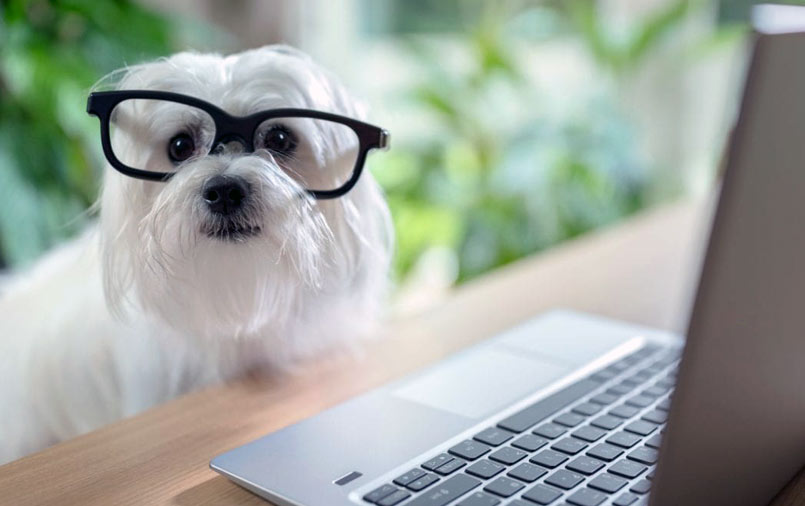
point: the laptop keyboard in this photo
(592, 443)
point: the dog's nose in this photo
(224, 194)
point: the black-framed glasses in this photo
(148, 134)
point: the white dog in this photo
(165, 294)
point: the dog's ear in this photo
(121, 201)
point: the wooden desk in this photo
(641, 270)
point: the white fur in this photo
(144, 306)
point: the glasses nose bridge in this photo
(232, 130)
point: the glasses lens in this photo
(158, 135)
(318, 154)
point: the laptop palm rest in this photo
(482, 382)
(379, 431)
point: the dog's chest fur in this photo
(67, 366)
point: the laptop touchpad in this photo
(478, 383)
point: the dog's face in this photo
(232, 244)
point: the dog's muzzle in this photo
(225, 195)
(226, 198)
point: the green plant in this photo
(493, 185)
(51, 53)
(623, 54)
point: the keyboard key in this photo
(605, 452)
(670, 355)
(656, 416)
(529, 442)
(550, 430)
(654, 391)
(546, 407)
(589, 434)
(625, 499)
(422, 483)
(548, 458)
(670, 375)
(565, 479)
(569, 419)
(608, 483)
(449, 490)
(603, 375)
(587, 408)
(542, 494)
(624, 411)
(664, 389)
(644, 455)
(451, 467)
(650, 475)
(632, 359)
(627, 385)
(618, 390)
(437, 461)
(640, 401)
(469, 450)
(665, 383)
(586, 497)
(408, 477)
(619, 366)
(603, 399)
(493, 436)
(379, 493)
(654, 441)
(607, 422)
(479, 499)
(641, 427)
(395, 498)
(508, 455)
(641, 487)
(664, 405)
(634, 380)
(504, 487)
(585, 465)
(527, 472)
(627, 469)
(570, 446)
(645, 351)
(485, 469)
(655, 368)
(623, 439)
(664, 362)
(519, 502)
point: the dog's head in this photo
(232, 243)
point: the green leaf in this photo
(654, 27)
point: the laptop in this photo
(576, 409)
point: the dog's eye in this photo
(181, 147)
(280, 140)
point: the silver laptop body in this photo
(570, 408)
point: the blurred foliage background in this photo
(515, 124)
(495, 184)
(51, 53)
